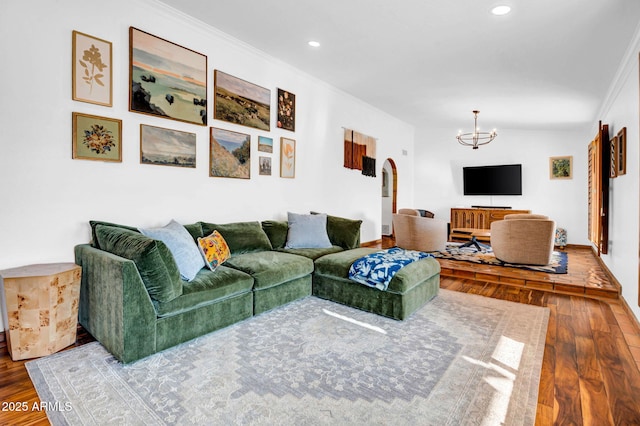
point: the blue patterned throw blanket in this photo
(377, 269)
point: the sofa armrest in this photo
(115, 307)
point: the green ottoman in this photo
(410, 289)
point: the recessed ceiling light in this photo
(501, 10)
(314, 43)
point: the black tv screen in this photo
(493, 180)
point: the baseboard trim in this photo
(606, 270)
(374, 243)
(613, 279)
(631, 315)
(1, 336)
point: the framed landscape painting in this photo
(561, 167)
(96, 138)
(240, 102)
(167, 147)
(166, 80)
(265, 144)
(229, 154)
(287, 158)
(286, 110)
(92, 70)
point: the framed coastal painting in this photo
(621, 152)
(561, 167)
(166, 79)
(240, 102)
(167, 147)
(286, 110)
(265, 165)
(229, 154)
(265, 144)
(96, 138)
(92, 69)
(287, 158)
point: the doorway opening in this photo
(389, 195)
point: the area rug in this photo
(485, 256)
(461, 359)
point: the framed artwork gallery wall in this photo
(139, 189)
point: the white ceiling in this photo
(546, 65)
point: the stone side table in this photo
(40, 308)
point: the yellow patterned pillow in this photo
(214, 249)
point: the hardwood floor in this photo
(589, 373)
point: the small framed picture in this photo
(286, 110)
(561, 167)
(287, 158)
(613, 157)
(96, 138)
(265, 165)
(92, 69)
(622, 152)
(167, 147)
(265, 144)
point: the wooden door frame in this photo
(394, 189)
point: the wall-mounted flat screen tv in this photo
(493, 180)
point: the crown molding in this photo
(628, 64)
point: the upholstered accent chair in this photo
(415, 232)
(523, 238)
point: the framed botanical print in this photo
(96, 138)
(166, 79)
(92, 69)
(167, 147)
(287, 158)
(286, 110)
(561, 167)
(229, 154)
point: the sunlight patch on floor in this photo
(354, 321)
(504, 365)
(508, 352)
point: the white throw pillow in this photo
(307, 231)
(181, 245)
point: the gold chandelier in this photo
(476, 138)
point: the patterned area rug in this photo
(461, 359)
(558, 263)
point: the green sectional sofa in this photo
(134, 301)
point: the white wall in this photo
(48, 198)
(440, 159)
(620, 110)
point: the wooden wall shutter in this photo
(598, 215)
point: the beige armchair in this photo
(523, 238)
(414, 232)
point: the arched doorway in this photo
(389, 195)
